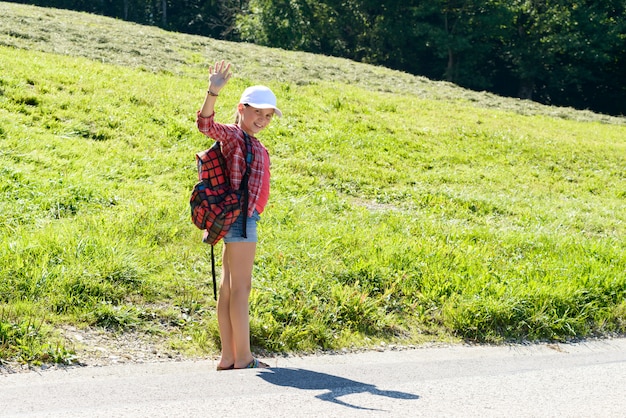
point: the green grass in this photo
(402, 210)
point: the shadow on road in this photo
(336, 386)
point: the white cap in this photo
(260, 97)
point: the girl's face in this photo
(254, 120)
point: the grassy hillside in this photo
(402, 210)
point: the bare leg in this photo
(223, 317)
(233, 304)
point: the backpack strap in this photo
(244, 182)
(213, 272)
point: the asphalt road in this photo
(548, 380)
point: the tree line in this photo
(558, 52)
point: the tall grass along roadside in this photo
(402, 210)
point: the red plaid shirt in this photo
(233, 144)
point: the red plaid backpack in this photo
(215, 206)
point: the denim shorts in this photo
(236, 229)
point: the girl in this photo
(255, 111)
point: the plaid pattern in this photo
(232, 139)
(212, 167)
(214, 205)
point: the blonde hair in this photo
(237, 114)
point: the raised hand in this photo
(219, 76)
